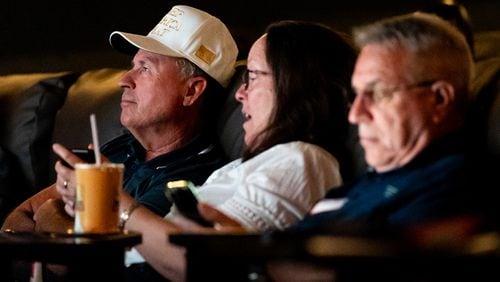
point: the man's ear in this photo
(444, 98)
(196, 86)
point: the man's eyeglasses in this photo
(379, 92)
(246, 76)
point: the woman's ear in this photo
(196, 86)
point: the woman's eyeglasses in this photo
(246, 76)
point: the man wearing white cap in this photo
(169, 96)
(187, 33)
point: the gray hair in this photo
(438, 48)
(189, 69)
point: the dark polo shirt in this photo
(440, 182)
(145, 181)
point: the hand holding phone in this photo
(86, 155)
(183, 194)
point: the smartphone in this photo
(86, 155)
(182, 194)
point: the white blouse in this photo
(274, 189)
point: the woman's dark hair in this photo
(312, 67)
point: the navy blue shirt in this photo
(433, 185)
(145, 181)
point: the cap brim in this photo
(129, 43)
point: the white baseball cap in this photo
(188, 33)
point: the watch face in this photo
(125, 215)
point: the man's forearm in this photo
(51, 217)
(21, 218)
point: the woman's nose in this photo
(241, 93)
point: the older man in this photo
(412, 82)
(169, 96)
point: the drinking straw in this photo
(95, 139)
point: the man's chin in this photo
(374, 160)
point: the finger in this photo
(66, 154)
(60, 189)
(65, 186)
(63, 170)
(66, 193)
(60, 185)
(65, 174)
(69, 201)
(69, 205)
(68, 197)
(69, 210)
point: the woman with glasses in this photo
(295, 102)
(295, 96)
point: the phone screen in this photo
(181, 193)
(85, 154)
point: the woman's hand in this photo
(222, 222)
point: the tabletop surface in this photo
(20, 238)
(65, 247)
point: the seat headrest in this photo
(230, 123)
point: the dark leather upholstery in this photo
(486, 91)
(39, 109)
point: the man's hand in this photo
(51, 217)
(66, 179)
(22, 217)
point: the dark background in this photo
(57, 35)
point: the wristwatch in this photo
(125, 215)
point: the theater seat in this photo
(485, 114)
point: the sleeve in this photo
(277, 188)
(154, 199)
(11, 181)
